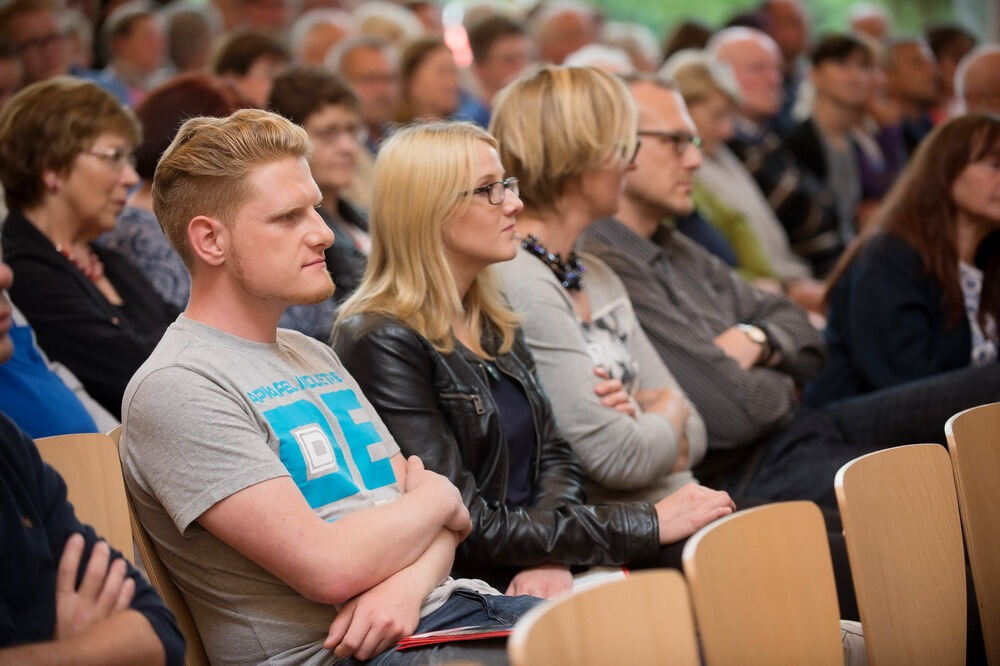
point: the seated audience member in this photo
(806, 209)
(316, 32)
(787, 23)
(712, 97)
(739, 353)
(949, 43)
(66, 597)
(429, 79)
(563, 27)
(134, 40)
(138, 234)
(500, 52)
(350, 545)
(432, 343)
(44, 398)
(842, 75)
(35, 31)
(618, 406)
(249, 61)
(369, 65)
(913, 86)
(330, 113)
(977, 80)
(908, 301)
(191, 28)
(66, 168)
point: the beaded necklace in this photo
(569, 272)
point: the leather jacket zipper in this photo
(477, 402)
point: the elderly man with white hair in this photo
(806, 209)
(977, 80)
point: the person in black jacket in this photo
(65, 596)
(912, 299)
(436, 350)
(66, 168)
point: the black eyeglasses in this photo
(495, 190)
(635, 151)
(681, 140)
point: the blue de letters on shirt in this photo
(314, 455)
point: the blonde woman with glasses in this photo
(440, 355)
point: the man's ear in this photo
(209, 239)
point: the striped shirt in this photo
(684, 298)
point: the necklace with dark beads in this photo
(569, 272)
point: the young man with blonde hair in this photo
(274, 493)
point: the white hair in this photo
(304, 24)
(396, 25)
(632, 37)
(739, 33)
(600, 56)
(965, 63)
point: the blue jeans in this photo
(464, 608)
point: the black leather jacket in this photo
(439, 406)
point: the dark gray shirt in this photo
(684, 297)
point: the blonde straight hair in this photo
(553, 123)
(421, 175)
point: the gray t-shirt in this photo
(210, 414)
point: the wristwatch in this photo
(758, 335)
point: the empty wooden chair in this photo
(974, 441)
(763, 590)
(195, 654)
(642, 619)
(904, 540)
(89, 465)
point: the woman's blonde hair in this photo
(698, 76)
(555, 122)
(421, 176)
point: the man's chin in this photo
(316, 296)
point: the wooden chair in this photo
(160, 578)
(642, 619)
(763, 590)
(974, 441)
(904, 539)
(88, 463)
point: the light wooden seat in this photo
(763, 590)
(904, 539)
(160, 579)
(974, 441)
(642, 619)
(89, 465)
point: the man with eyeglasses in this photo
(34, 30)
(740, 353)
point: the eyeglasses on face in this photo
(680, 139)
(635, 151)
(116, 157)
(495, 190)
(332, 133)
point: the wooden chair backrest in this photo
(974, 441)
(88, 463)
(642, 619)
(159, 577)
(762, 587)
(904, 539)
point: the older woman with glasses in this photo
(66, 166)
(437, 351)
